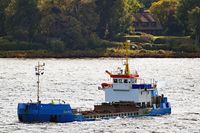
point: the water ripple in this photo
(76, 81)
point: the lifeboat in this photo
(106, 85)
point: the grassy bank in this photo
(146, 46)
(97, 54)
(49, 54)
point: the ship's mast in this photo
(127, 69)
(39, 70)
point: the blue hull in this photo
(33, 112)
(160, 111)
(61, 113)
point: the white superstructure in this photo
(127, 87)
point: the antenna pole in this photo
(39, 71)
(38, 84)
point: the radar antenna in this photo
(39, 70)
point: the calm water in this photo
(76, 80)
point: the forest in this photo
(83, 25)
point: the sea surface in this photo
(76, 82)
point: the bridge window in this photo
(143, 104)
(125, 80)
(139, 104)
(115, 80)
(134, 80)
(120, 80)
(148, 104)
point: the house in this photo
(144, 21)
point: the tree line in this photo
(178, 17)
(85, 24)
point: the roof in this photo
(146, 17)
(125, 76)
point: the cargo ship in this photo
(126, 96)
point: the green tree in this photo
(22, 19)
(134, 5)
(147, 3)
(57, 45)
(194, 23)
(166, 10)
(183, 9)
(121, 21)
(85, 13)
(104, 10)
(75, 24)
(52, 6)
(3, 5)
(116, 17)
(66, 28)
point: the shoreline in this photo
(75, 54)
